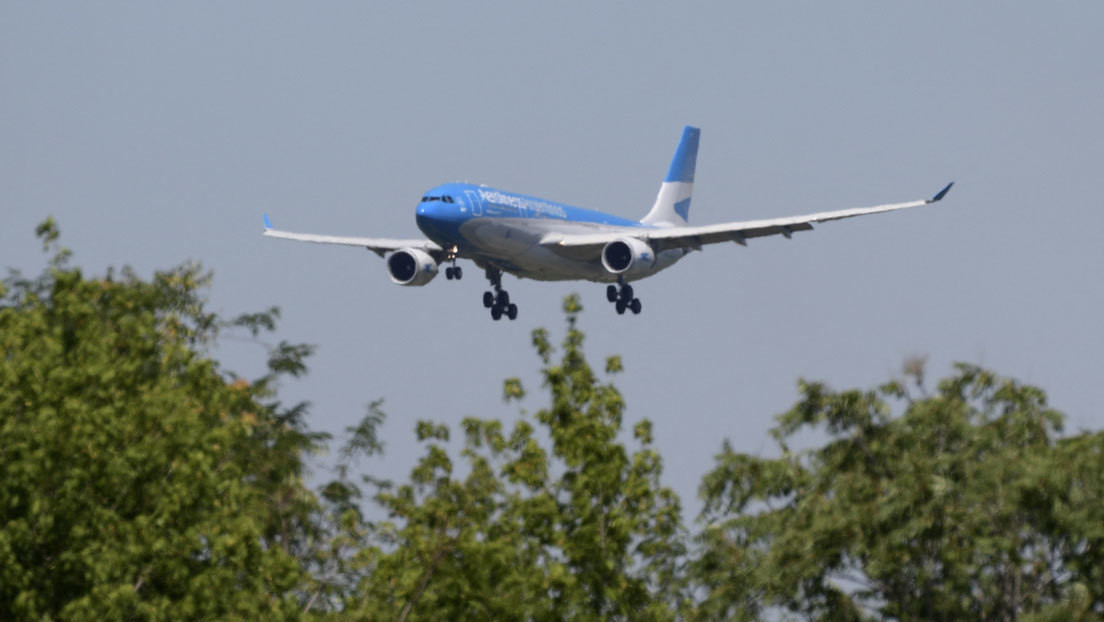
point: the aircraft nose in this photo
(439, 211)
(438, 219)
(431, 212)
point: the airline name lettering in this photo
(535, 208)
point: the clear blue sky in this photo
(160, 134)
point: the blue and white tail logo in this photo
(672, 206)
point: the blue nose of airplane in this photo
(439, 217)
(433, 213)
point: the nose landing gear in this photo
(454, 271)
(622, 298)
(498, 301)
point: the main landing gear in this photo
(498, 301)
(622, 298)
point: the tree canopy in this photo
(140, 480)
(968, 504)
(579, 529)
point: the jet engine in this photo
(411, 266)
(628, 256)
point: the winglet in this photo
(268, 225)
(942, 193)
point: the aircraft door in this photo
(475, 202)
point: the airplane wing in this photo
(738, 232)
(379, 246)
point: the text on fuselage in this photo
(527, 208)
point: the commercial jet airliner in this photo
(504, 232)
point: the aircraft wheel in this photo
(620, 306)
(457, 273)
(635, 306)
(448, 273)
(488, 299)
(503, 298)
(626, 293)
(511, 311)
(496, 313)
(611, 293)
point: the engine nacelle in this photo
(411, 266)
(628, 256)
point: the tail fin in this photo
(672, 206)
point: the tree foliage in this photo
(967, 505)
(549, 521)
(138, 480)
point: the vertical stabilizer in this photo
(672, 206)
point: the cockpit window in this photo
(443, 198)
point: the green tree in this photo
(967, 505)
(140, 481)
(551, 522)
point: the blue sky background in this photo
(159, 134)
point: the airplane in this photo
(528, 237)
